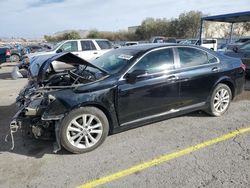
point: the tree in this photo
(185, 26)
(64, 36)
(188, 24)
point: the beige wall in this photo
(222, 30)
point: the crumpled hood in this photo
(40, 64)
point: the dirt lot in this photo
(225, 164)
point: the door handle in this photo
(77, 54)
(215, 69)
(95, 52)
(172, 78)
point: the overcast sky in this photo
(34, 18)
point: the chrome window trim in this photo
(177, 66)
(191, 67)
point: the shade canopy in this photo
(230, 18)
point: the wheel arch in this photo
(230, 85)
(104, 110)
(15, 54)
(227, 81)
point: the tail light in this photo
(7, 53)
(243, 66)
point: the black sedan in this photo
(125, 88)
(242, 52)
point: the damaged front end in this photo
(32, 107)
(40, 111)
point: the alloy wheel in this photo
(221, 100)
(84, 131)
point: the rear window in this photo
(104, 44)
(190, 57)
(87, 45)
(243, 40)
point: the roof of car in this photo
(150, 46)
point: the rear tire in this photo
(220, 100)
(84, 129)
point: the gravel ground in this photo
(226, 164)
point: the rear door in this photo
(199, 71)
(89, 51)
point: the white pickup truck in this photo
(88, 49)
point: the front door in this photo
(151, 94)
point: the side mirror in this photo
(236, 49)
(131, 77)
(59, 50)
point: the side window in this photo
(104, 44)
(192, 57)
(246, 47)
(70, 46)
(87, 45)
(211, 58)
(156, 61)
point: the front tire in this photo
(220, 100)
(84, 129)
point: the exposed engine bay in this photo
(35, 117)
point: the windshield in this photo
(115, 60)
(57, 45)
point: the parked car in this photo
(131, 43)
(237, 43)
(242, 52)
(35, 48)
(125, 88)
(88, 49)
(15, 52)
(161, 39)
(4, 54)
(207, 43)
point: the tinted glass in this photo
(87, 45)
(104, 44)
(211, 58)
(70, 46)
(209, 41)
(246, 47)
(192, 57)
(242, 40)
(156, 61)
(115, 60)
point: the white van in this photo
(207, 43)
